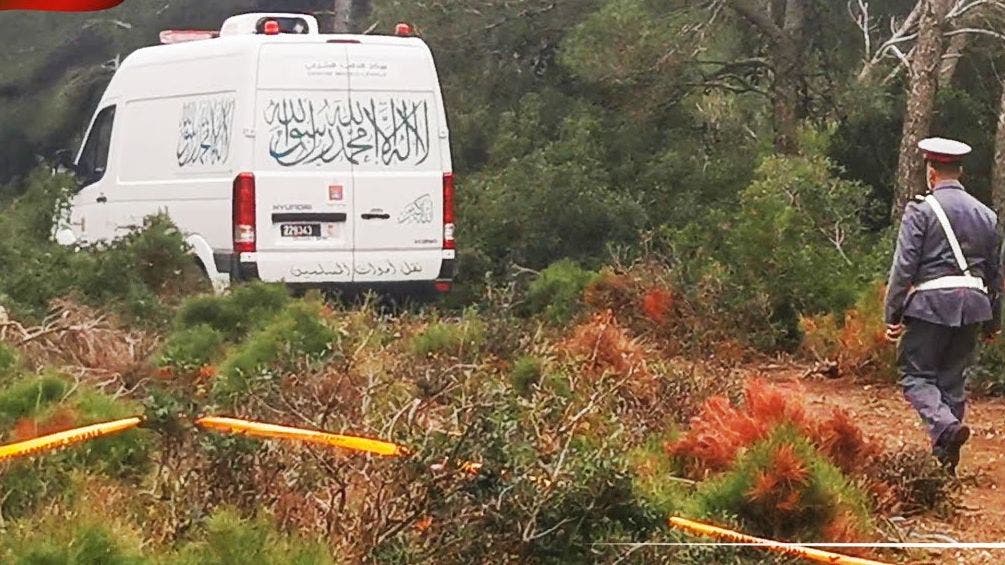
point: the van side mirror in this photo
(64, 160)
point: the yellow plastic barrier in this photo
(259, 429)
(790, 549)
(65, 438)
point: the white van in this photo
(281, 153)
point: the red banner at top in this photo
(59, 5)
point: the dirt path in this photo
(884, 414)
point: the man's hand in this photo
(990, 337)
(894, 331)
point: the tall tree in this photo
(923, 80)
(350, 14)
(783, 23)
(998, 172)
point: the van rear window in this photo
(286, 25)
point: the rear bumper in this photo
(242, 271)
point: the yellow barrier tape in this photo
(790, 549)
(263, 430)
(65, 438)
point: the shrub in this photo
(721, 432)
(556, 201)
(29, 395)
(297, 336)
(81, 541)
(35, 406)
(654, 480)
(245, 308)
(859, 345)
(783, 488)
(134, 270)
(798, 219)
(557, 293)
(465, 336)
(121, 455)
(526, 374)
(910, 481)
(189, 349)
(10, 361)
(606, 346)
(232, 540)
(988, 373)
(129, 274)
(657, 299)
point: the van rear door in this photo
(398, 161)
(304, 146)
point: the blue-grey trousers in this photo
(931, 359)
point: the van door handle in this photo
(102, 199)
(376, 216)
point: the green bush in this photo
(232, 540)
(26, 483)
(556, 201)
(526, 374)
(190, 348)
(466, 336)
(128, 273)
(70, 543)
(654, 477)
(245, 308)
(988, 373)
(42, 398)
(796, 246)
(29, 395)
(132, 270)
(797, 221)
(558, 292)
(124, 454)
(297, 335)
(10, 361)
(782, 488)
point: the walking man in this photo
(943, 294)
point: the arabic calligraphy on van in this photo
(379, 269)
(332, 67)
(387, 268)
(379, 131)
(204, 132)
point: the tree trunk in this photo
(786, 34)
(957, 44)
(350, 14)
(998, 175)
(342, 10)
(924, 84)
(788, 62)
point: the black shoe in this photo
(948, 450)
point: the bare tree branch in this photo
(756, 15)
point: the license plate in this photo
(300, 230)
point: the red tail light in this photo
(244, 213)
(448, 211)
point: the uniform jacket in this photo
(923, 253)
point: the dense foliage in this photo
(631, 231)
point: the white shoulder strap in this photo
(954, 243)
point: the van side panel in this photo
(304, 185)
(182, 146)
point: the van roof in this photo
(235, 44)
